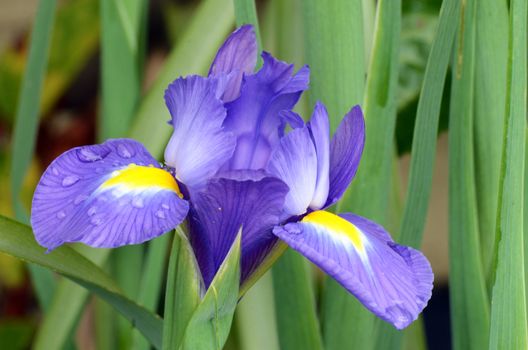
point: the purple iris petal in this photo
(392, 281)
(289, 118)
(294, 161)
(248, 199)
(254, 117)
(346, 149)
(199, 144)
(238, 55)
(105, 195)
(320, 131)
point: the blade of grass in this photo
(424, 145)
(193, 55)
(255, 318)
(63, 313)
(183, 291)
(508, 308)
(25, 129)
(468, 297)
(490, 78)
(295, 304)
(335, 52)
(16, 239)
(347, 323)
(246, 13)
(151, 282)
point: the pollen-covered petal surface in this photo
(238, 55)
(392, 281)
(346, 149)
(199, 145)
(105, 195)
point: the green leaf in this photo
(491, 50)
(122, 24)
(347, 323)
(152, 279)
(508, 305)
(246, 13)
(255, 317)
(17, 240)
(424, 147)
(182, 296)
(295, 303)
(468, 297)
(193, 55)
(210, 323)
(68, 301)
(335, 52)
(25, 129)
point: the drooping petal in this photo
(199, 144)
(346, 149)
(105, 195)
(392, 281)
(238, 55)
(294, 161)
(320, 131)
(254, 117)
(248, 199)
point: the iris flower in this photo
(231, 164)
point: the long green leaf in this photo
(490, 79)
(193, 55)
(25, 129)
(182, 296)
(63, 313)
(424, 145)
(369, 193)
(246, 13)
(17, 240)
(210, 323)
(335, 52)
(508, 310)
(255, 317)
(151, 282)
(295, 303)
(468, 297)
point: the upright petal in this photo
(294, 161)
(238, 55)
(254, 117)
(199, 145)
(251, 200)
(320, 131)
(105, 195)
(392, 281)
(346, 149)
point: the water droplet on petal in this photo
(92, 211)
(137, 202)
(124, 151)
(70, 180)
(55, 171)
(89, 154)
(165, 206)
(80, 198)
(61, 215)
(160, 214)
(96, 221)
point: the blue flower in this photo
(231, 164)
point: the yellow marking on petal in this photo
(337, 224)
(140, 177)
